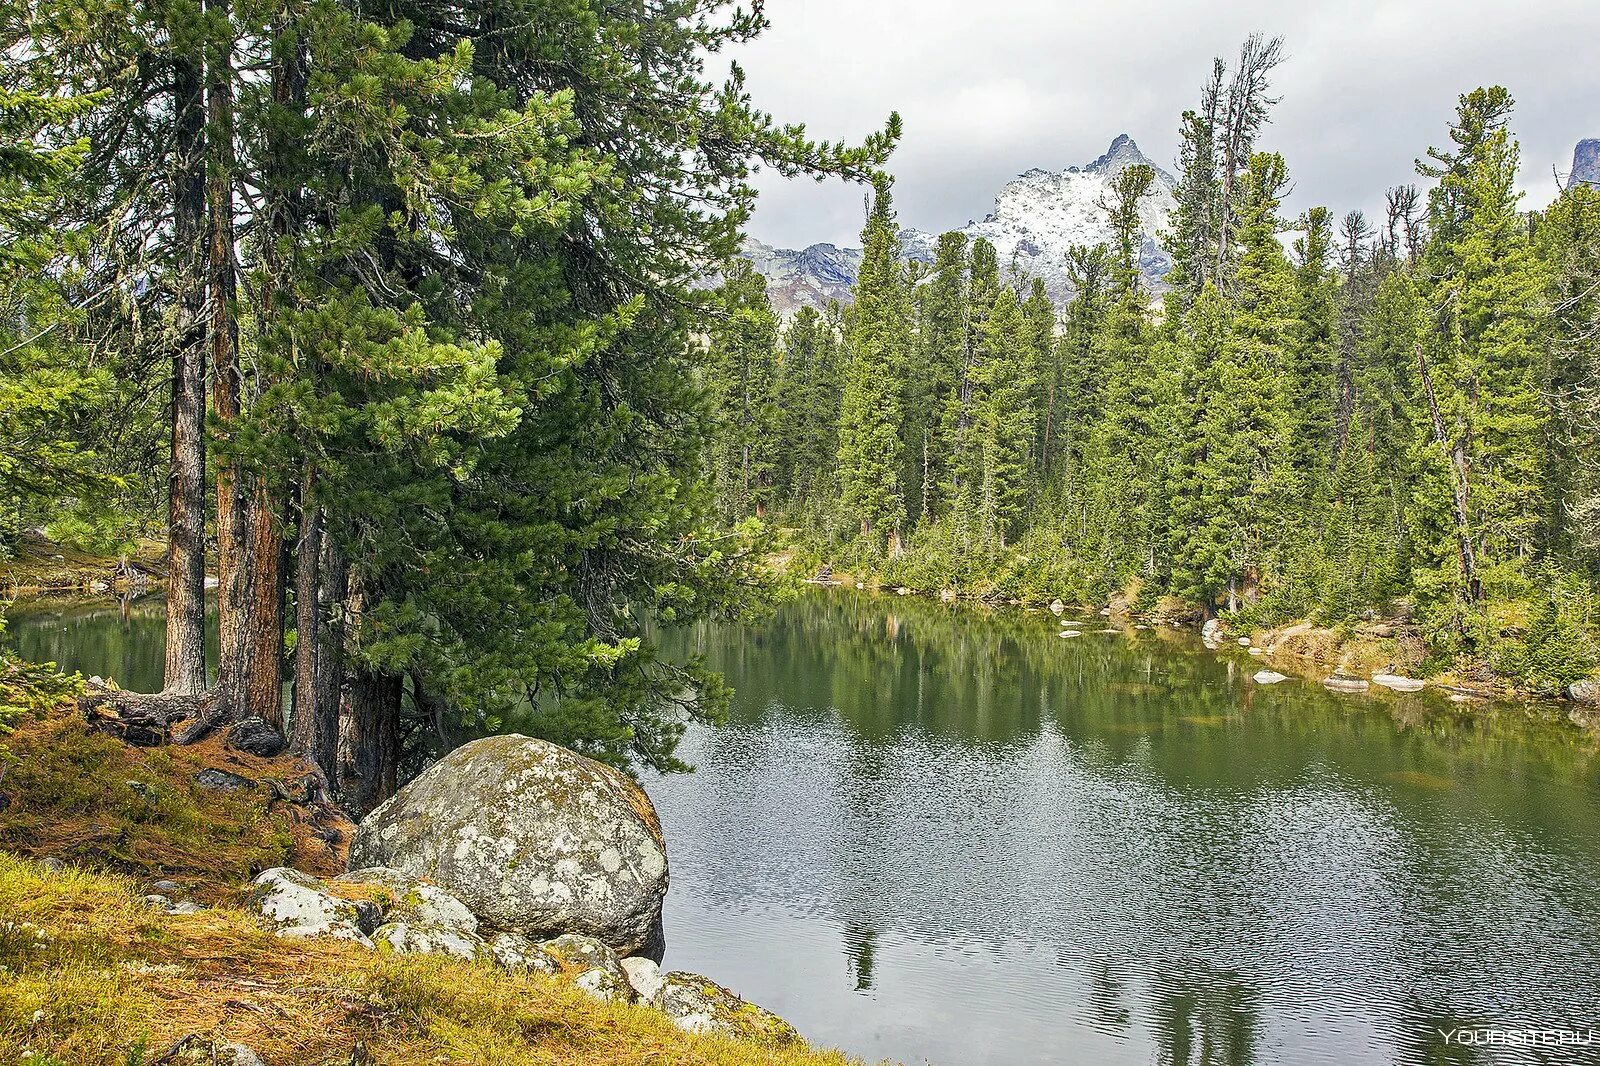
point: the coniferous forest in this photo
(1328, 417)
(382, 315)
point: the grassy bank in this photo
(93, 975)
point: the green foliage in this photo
(1558, 646)
(870, 447)
(1336, 434)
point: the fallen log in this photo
(141, 718)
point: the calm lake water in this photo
(929, 833)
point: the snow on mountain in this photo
(1037, 216)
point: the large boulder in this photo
(699, 1005)
(533, 838)
(1584, 692)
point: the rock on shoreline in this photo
(533, 839)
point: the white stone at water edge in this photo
(1345, 684)
(1244, 642)
(1269, 677)
(1398, 682)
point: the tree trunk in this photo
(185, 666)
(375, 749)
(329, 681)
(261, 683)
(306, 716)
(232, 559)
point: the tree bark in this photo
(308, 621)
(261, 683)
(375, 749)
(232, 559)
(185, 665)
(329, 680)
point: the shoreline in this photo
(1306, 649)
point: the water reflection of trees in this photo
(1205, 1017)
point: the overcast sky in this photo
(991, 89)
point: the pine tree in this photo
(49, 390)
(942, 335)
(1315, 364)
(1482, 361)
(1003, 420)
(741, 375)
(809, 403)
(869, 416)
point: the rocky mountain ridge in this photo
(1037, 216)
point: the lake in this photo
(933, 833)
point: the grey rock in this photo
(645, 977)
(1338, 683)
(594, 967)
(255, 737)
(295, 904)
(412, 917)
(53, 864)
(1269, 677)
(699, 1005)
(532, 838)
(515, 952)
(1399, 683)
(222, 781)
(1584, 691)
(167, 888)
(185, 907)
(1586, 162)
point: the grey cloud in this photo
(990, 90)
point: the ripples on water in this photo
(934, 835)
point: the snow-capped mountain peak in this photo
(1037, 216)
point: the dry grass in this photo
(90, 800)
(94, 977)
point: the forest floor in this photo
(95, 975)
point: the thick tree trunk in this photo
(261, 683)
(373, 774)
(185, 667)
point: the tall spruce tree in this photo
(870, 455)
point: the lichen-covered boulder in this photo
(699, 1005)
(517, 953)
(533, 838)
(411, 916)
(592, 965)
(295, 904)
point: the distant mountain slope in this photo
(1586, 162)
(1036, 218)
